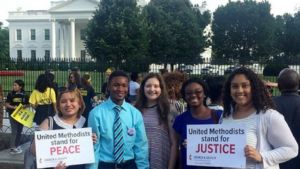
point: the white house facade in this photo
(54, 33)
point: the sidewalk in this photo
(7, 160)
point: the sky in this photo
(278, 7)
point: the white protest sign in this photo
(72, 146)
(216, 145)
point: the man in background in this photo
(288, 104)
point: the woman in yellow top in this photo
(43, 100)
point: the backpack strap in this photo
(50, 118)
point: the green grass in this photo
(60, 77)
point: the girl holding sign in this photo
(70, 106)
(14, 98)
(194, 92)
(269, 139)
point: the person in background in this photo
(154, 104)
(194, 91)
(215, 85)
(288, 104)
(51, 80)
(269, 138)
(120, 128)
(1, 106)
(43, 100)
(74, 81)
(104, 90)
(174, 82)
(134, 87)
(70, 106)
(14, 98)
(88, 94)
(76, 70)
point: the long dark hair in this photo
(77, 79)
(163, 106)
(41, 83)
(260, 98)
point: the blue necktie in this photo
(118, 137)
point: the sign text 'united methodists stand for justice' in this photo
(72, 146)
(216, 145)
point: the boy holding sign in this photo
(14, 98)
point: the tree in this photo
(290, 40)
(243, 32)
(116, 35)
(175, 31)
(4, 44)
(287, 38)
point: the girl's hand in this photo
(252, 154)
(94, 137)
(61, 165)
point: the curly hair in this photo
(174, 82)
(260, 98)
(163, 102)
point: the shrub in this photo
(273, 69)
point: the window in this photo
(47, 34)
(32, 34)
(82, 34)
(19, 34)
(33, 55)
(19, 55)
(82, 55)
(47, 55)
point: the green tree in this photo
(117, 36)
(243, 32)
(290, 40)
(4, 44)
(175, 31)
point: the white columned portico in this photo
(66, 41)
(61, 41)
(72, 20)
(53, 33)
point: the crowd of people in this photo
(142, 123)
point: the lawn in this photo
(60, 77)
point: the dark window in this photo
(19, 55)
(47, 34)
(19, 34)
(82, 34)
(32, 34)
(47, 55)
(33, 55)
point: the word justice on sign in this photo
(216, 148)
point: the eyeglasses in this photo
(191, 92)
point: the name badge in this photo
(131, 131)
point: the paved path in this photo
(7, 160)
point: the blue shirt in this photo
(101, 120)
(180, 127)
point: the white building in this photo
(53, 33)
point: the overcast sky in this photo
(278, 6)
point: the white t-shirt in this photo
(133, 86)
(251, 132)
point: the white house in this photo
(54, 33)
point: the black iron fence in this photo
(28, 70)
